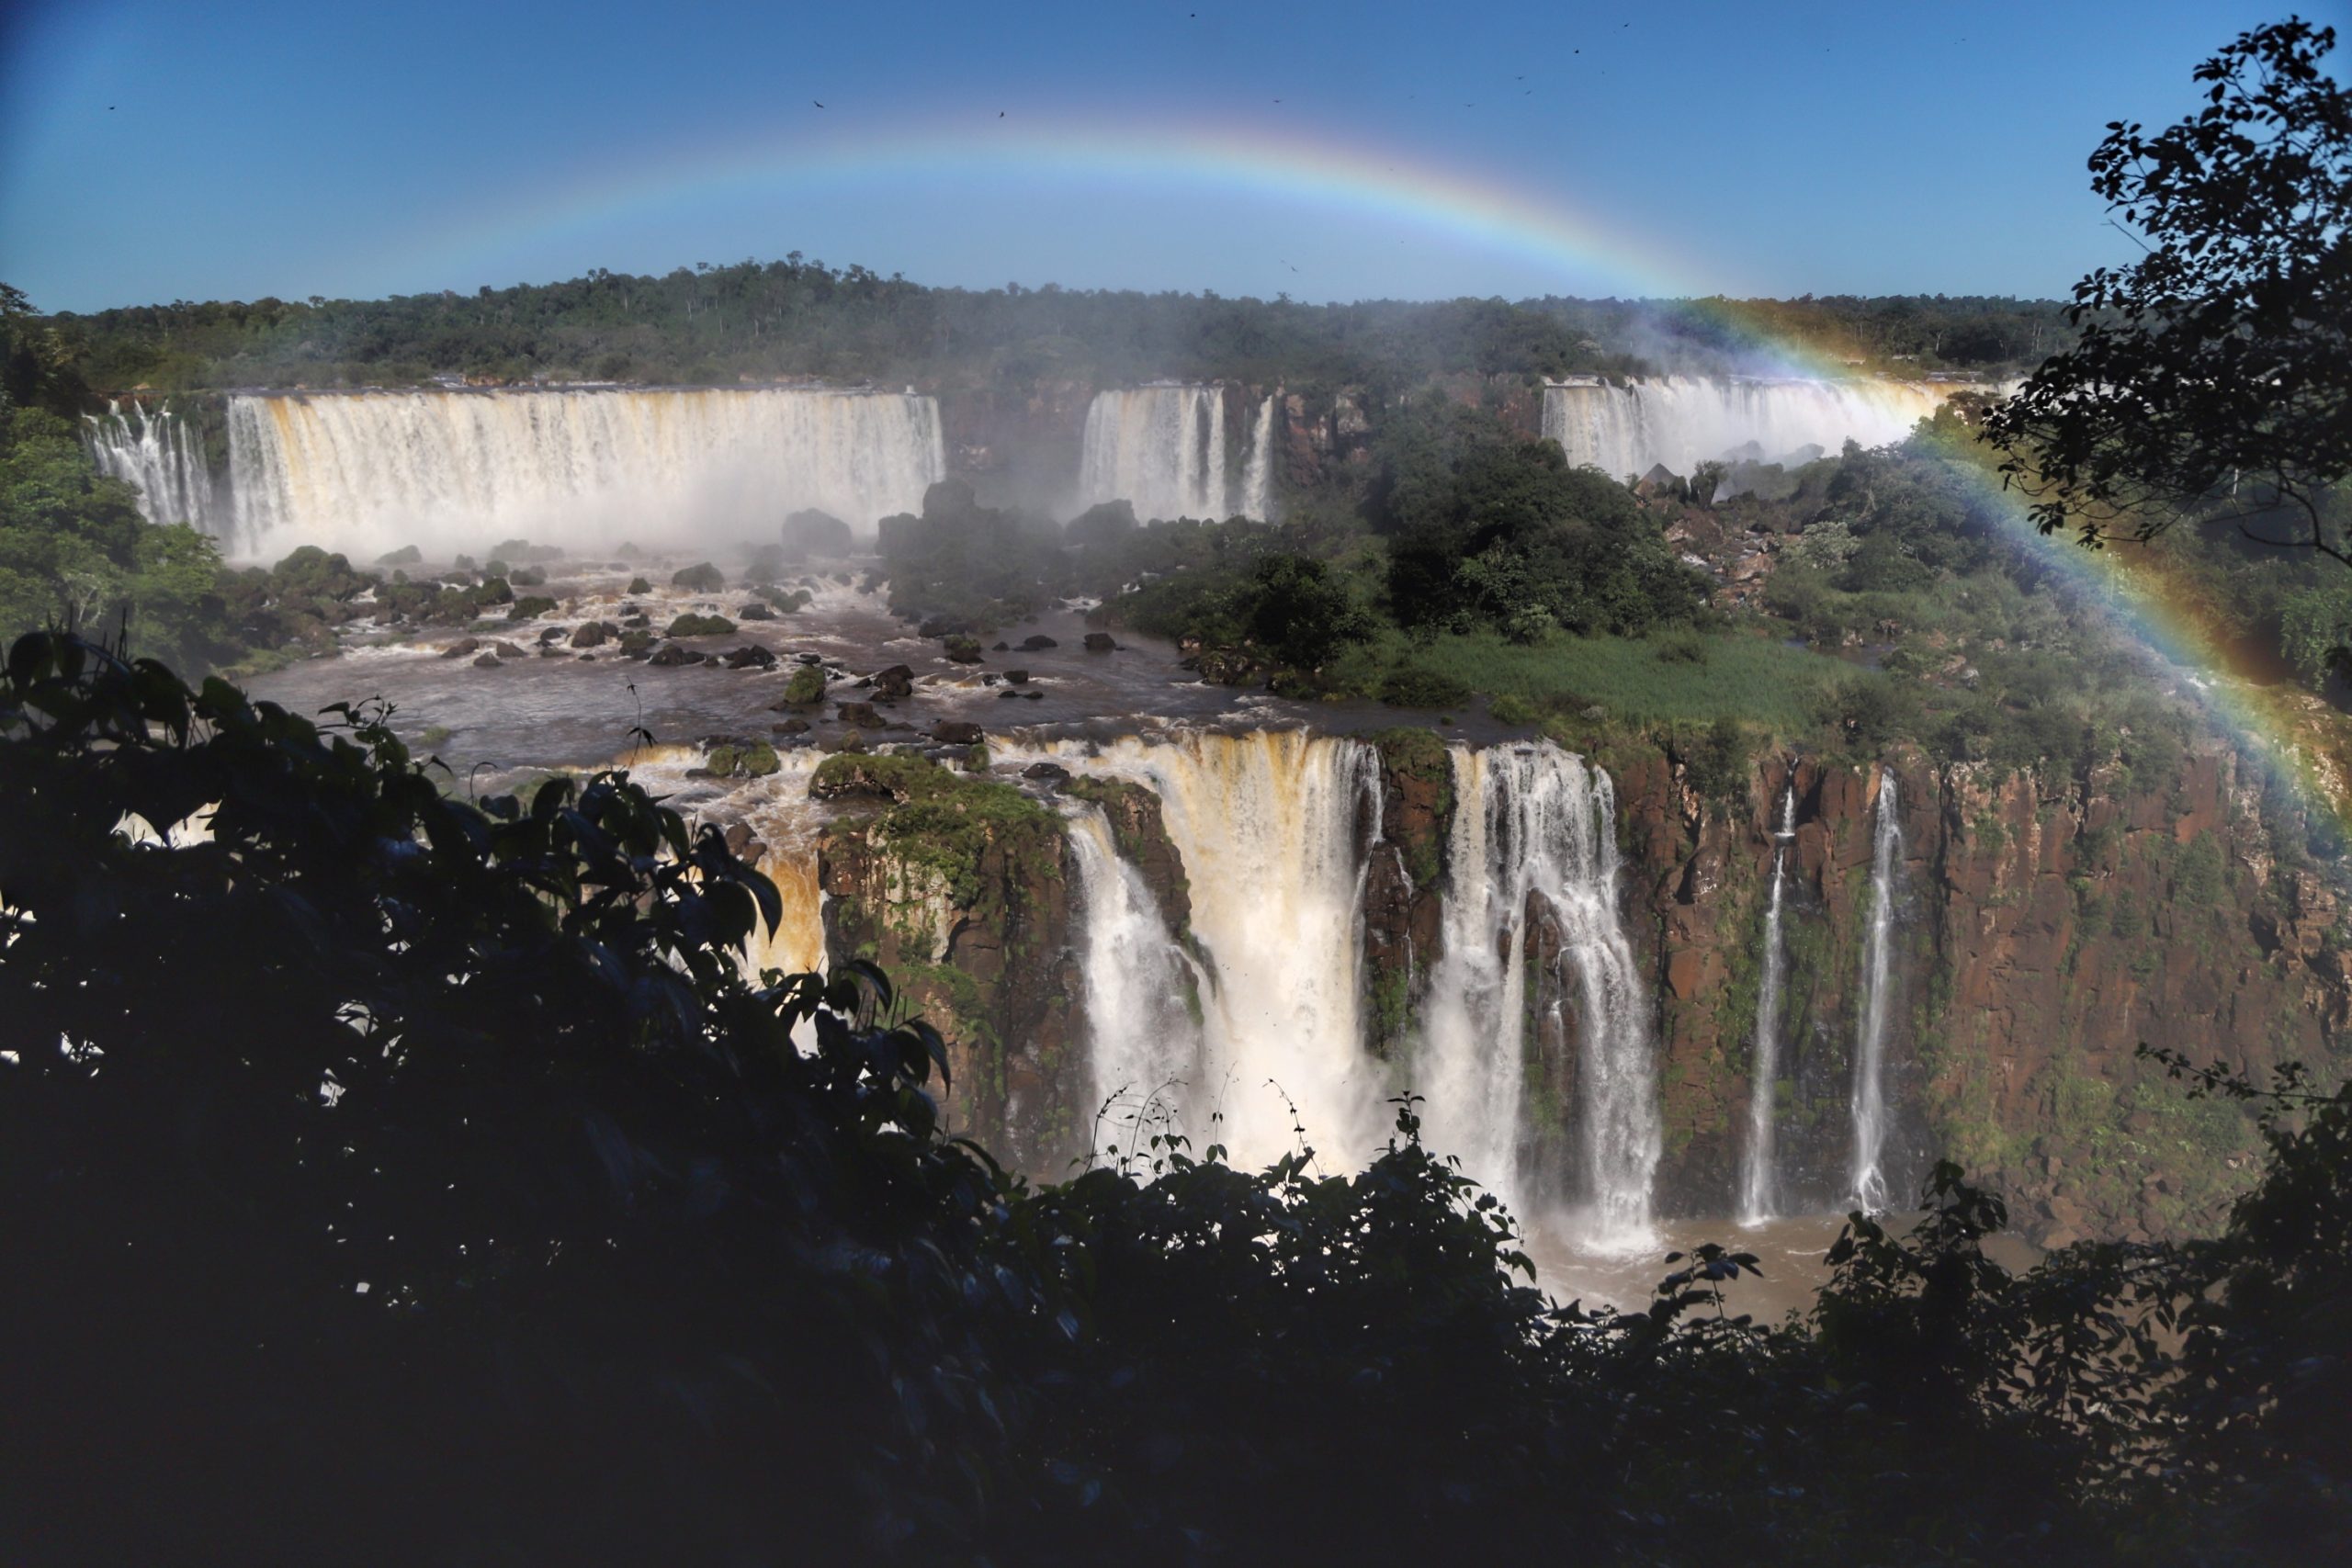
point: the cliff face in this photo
(2044, 927)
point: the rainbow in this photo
(1280, 164)
(1267, 162)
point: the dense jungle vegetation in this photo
(795, 317)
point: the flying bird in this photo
(814, 101)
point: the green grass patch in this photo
(1758, 679)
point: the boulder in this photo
(790, 727)
(862, 715)
(962, 649)
(751, 657)
(1098, 642)
(1037, 642)
(507, 651)
(592, 634)
(955, 732)
(754, 611)
(700, 578)
(487, 661)
(895, 682)
(553, 635)
(669, 655)
(1017, 677)
(461, 647)
(1047, 772)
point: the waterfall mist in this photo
(1162, 448)
(364, 472)
(1682, 422)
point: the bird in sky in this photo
(1000, 114)
(814, 101)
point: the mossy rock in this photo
(700, 578)
(807, 687)
(691, 624)
(530, 607)
(756, 760)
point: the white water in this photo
(1534, 826)
(158, 453)
(1258, 476)
(1682, 422)
(1870, 1189)
(1144, 1044)
(1759, 1188)
(1265, 824)
(368, 472)
(1162, 449)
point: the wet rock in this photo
(894, 683)
(552, 634)
(592, 634)
(638, 622)
(754, 611)
(1100, 642)
(669, 656)
(1040, 640)
(1001, 648)
(751, 657)
(700, 578)
(507, 651)
(955, 732)
(809, 658)
(487, 661)
(461, 647)
(790, 727)
(1017, 677)
(1047, 772)
(963, 649)
(860, 714)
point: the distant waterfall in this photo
(1258, 476)
(364, 472)
(1162, 448)
(1266, 825)
(1758, 1193)
(159, 453)
(1534, 829)
(1145, 1045)
(1870, 1049)
(1682, 422)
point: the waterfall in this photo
(1258, 475)
(1160, 448)
(364, 472)
(1869, 1050)
(159, 453)
(1145, 1042)
(1265, 824)
(1759, 1197)
(1536, 831)
(1682, 422)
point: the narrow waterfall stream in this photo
(1758, 1187)
(1870, 1189)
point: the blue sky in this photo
(1762, 148)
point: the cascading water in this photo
(1145, 1040)
(1162, 449)
(1266, 825)
(1258, 476)
(1535, 830)
(1870, 1191)
(1682, 422)
(363, 472)
(157, 452)
(1758, 1193)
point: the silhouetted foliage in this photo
(2221, 362)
